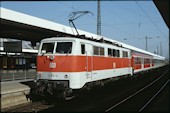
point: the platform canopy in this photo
(21, 26)
(163, 7)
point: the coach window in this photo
(82, 48)
(95, 50)
(64, 47)
(139, 60)
(101, 51)
(135, 60)
(146, 61)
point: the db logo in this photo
(52, 65)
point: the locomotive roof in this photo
(116, 42)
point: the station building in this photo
(26, 59)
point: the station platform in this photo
(17, 75)
(13, 94)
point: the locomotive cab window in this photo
(64, 47)
(47, 48)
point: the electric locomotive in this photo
(68, 64)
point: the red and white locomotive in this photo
(69, 63)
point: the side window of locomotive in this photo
(95, 50)
(129, 54)
(82, 48)
(101, 51)
(47, 48)
(64, 47)
(117, 53)
(114, 53)
(125, 54)
(109, 52)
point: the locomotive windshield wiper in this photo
(43, 54)
(68, 51)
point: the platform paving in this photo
(13, 94)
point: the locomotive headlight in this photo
(39, 75)
(52, 57)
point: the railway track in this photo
(160, 90)
(141, 99)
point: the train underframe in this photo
(61, 88)
(51, 87)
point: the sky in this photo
(125, 21)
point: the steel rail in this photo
(154, 96)
(107, 110)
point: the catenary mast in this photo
(98, 18)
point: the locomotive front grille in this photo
(58, 85)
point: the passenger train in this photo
(67, 64)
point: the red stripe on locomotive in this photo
(78, 63)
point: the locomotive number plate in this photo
(52, 65)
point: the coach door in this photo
(89, 61)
